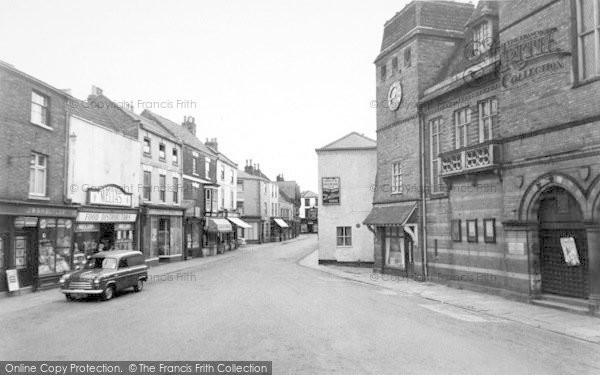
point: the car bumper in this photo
(81, 291)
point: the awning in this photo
(218, 225)
(281, 223)
(239, 222)
(391, 215)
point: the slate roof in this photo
(351, 141)
(309, 194)
(179, 131)
(247, 176)
(102, 116)
(394, 215)
(151, 126)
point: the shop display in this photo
(20, 252)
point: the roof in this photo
(289, 188)
(222, 157)
(116, 253)
(392, 215)
(151, 126)
(352, 141)
(309, 194)
(484, 8)
(247, 176)
(179, 131)
(102, 116)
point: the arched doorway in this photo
(563, 245)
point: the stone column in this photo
(593, 244)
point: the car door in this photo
(123, 274)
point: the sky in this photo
(272, 80)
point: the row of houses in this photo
(81, 176)
(486, 158)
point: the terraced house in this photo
(496, 120)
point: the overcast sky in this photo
(271, 79)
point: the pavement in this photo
(258, 303)
(586, 328)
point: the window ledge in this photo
(42, 126)
(344, 247)
(39, 197)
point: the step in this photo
(579, 307)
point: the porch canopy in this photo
(391, 215)
(239, 222)
(218, 225)
(281, 223)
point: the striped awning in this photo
(218, 225)
(239, 222)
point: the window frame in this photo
(345, 236)
(481, 38)
(162, 188)
(162, 148)
(176, 190)
(207, 168)
(397, 178)
(436, 181)
(461, 128)
(492, 116)
(579, 35)
(195, 166)
(472, 238)
(34, 168)
(148, 145)
(44, 110)
(147, 188)
(175, 156)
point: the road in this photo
(258, 303)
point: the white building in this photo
(226, 179)
(347, 170)
(309, 202)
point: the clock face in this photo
(395, 96)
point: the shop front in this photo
(219, 235)
(193, 224)
(103, 229)
(279, 230)
(239, 230)
(35, 245)
(162, 234)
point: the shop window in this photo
(147, 185)
(39, 109)
(54, 246)
(488, 113)
(20, 252)
(395, 253)
(2, 246)
(162, 183)
(344, 236)
(38, 171)
(175, 190)
(162, 154)
(588, 35)
(164, 236)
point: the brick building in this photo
(510, 140)
(36, 220)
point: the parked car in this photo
(105, 274)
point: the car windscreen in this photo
(94, 263)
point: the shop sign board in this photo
(13, 280)
(106, 217)
(109, 195)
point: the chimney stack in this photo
(248, 168)
(280, 177)
(213, 144)
(189, 122)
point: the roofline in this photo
(345, 136)
(318, 150)
(10, 67)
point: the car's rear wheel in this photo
(69, 297)
(139, 286)
(108, 293)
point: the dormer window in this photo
(482, 37)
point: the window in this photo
(207, 168)
(162, 183)
(395, 248)
(222, 194)
(307, 202)
(489, 230)
(38, 171)
(53, 242)
(147, 185)
(265, 207)
(407, 58)
(195, 166)
(344, 236)
(175, 190)
(162, 152)
(222, 173)
(383, 72)
(231, 201)
(456, 229)
(462, 117)
(588, 38)
(175, 156)
(147, 148)
(488, 113)
(394, 64)
(481, 38)
(472, 230)
(240, 185)
(164, 236)
(208, 199)
(434, 134)
(396, 178)
(232, 177)
(39, 109)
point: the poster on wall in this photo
(570, 252)
(12, 279)
(331, 190)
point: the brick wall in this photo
(19, 137)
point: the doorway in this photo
(563, 245)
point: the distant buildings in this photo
(309, 212)
(346, 173)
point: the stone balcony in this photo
(479, 158)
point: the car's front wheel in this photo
(108, 293)
(139, 286)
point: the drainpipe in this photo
(67, 151)
(423, 196)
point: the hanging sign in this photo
(569, 249)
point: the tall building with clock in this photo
(416, 42)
